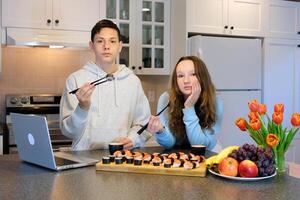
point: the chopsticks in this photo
(146, 125)
(108, 77)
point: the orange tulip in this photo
(262, 109)
(253, 105)
(252, 115)
(255, 124)
(241, 123)
(272, 140)
(295, 120)
(277, 117)
(279, 107)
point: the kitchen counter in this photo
(20, 180)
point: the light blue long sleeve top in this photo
(195, 134)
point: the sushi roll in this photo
(173, 155)
(128, 153)
(178, 163)
(188, 165)
(118, 154)
(129, 160)
(147, 158)
(195, 158)
(105, 160)
(112, 158)
(155, 154)
(196, 164)
(167, 163)
(183, 156)
(191, 155)
(118, 161)
(137, 161)
(156, 161)
(138, 157)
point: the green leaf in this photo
(289, 138)
(254, 136)
(264, 130)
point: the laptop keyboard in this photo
(63, 161)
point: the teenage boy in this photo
(111, 112)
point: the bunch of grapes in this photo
(263, 158)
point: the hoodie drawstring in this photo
(116, 92)
(98, 89)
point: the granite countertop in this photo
(20, 180)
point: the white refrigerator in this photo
(235, 66)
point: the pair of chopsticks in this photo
(146, 125)
(108, 77)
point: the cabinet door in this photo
(207, 16)
(75, 14)
(28, 14)
(153, 49)
(281, 76)
(245, 17)
(122, 13)
(283, 19)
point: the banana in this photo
(224, 153)
(210, 161)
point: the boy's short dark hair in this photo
(104, 23)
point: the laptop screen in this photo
(33, 139)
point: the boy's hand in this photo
(84, 95)
(126, 142)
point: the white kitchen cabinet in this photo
(283, 19)
(232, 17)
(145, 31)
(281, 76)
(51, 14)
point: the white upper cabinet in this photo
(145, 32)
(233, 17)
(283, 19)
(29, 13)
(51, 14)
(75, 14)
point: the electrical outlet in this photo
(151, 96)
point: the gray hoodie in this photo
(118, 109)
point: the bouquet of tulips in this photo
(270, 133)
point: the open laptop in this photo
(34, 144)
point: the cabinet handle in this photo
(298, 45)
(298, 32)
(133, 67)
(48, 21)
(140, 67)
(226, 27)
(231, 27)
(56, 21)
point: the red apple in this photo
(228, 166)
(248, 169)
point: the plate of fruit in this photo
(245, 163)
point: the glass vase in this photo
(280, 162)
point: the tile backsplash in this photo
(44, 70)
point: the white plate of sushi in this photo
(241, 178)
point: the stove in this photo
(33, 104)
